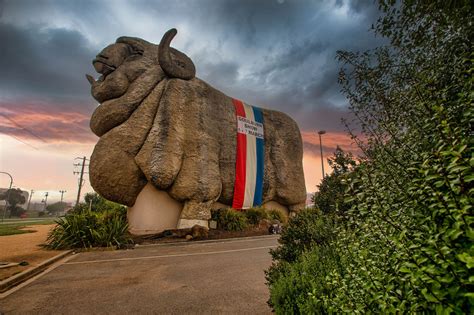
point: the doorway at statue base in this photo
(155, 211)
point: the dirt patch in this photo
(25, 247)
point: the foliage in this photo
(275, 214)
(300, 287)
(230, 219)
(16, 211)
(255, 215)
(15, 197)
(307, 228)
(304, 231)
(89, 229)
(56, 207)
(97, 203)
(406, 244)
(330, 196)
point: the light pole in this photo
(8, 195)
(321, 132)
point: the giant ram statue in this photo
(172, 147)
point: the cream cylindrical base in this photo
(273, 205)
(154, 211)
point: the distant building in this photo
(37, 206)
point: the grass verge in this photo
(16, 228)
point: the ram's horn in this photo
(173, 62)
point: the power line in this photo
(18, 139)
(25, 129)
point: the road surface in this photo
(192, 278)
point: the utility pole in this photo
(46, 194)
(82, 164)
(61, 203)
(29, 199)
(62, 193)
(321, 132)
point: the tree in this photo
(97, 203)
(407, 243)
(330, 197)
(56, 207)
(15, 197)
(409, 226)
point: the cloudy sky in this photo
(277, 54)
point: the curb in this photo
(15, 280)
(222, 240)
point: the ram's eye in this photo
(136, 51)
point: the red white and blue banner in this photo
(249, 166)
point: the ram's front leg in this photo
(160, 158)
(195, 213)
(198, 184)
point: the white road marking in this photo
(30, 280)
(168, 256)
(218, 241)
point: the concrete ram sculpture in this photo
(169, 142)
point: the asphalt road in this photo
(194, 278)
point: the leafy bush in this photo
(230, 219)
(255, 215)
(96, 203)
(301, 287)
(406, 244)
(89, 229)
(331, 192)
(274, 214)
(309, 227)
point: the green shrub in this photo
(255, 215)
(301, 287)
(274, 214)
(295, 273)
(89, 229)
(230, 220)
(309, 227)
(406, 244)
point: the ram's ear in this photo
(136, 44)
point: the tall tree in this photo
(330, 196)
(411, 225)
(14, 197)
(407, 245)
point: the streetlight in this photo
(321, 132)
(8, 195)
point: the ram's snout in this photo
(108, 60)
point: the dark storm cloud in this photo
(277, 54)
(46, 63)
(291, 65)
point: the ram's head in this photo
(129, 69)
